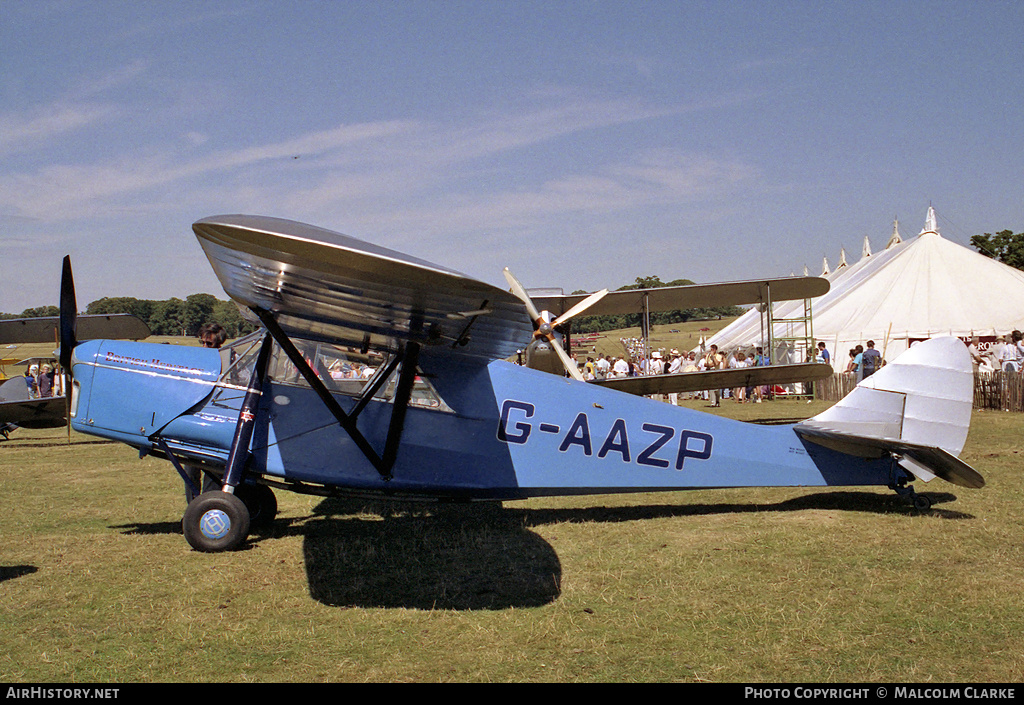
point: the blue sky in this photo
(581, 144)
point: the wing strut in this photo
(408, 357)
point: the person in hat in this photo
(30, 381)
(675, 366)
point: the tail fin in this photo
(918, 409)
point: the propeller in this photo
(67, 329)
(543, 324)
(68, 315)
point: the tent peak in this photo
(930, 226)
(895, 239)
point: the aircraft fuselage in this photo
(494, 431)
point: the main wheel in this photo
(261, 503)
(922, 503)
(215, 521)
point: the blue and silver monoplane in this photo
(375, 373)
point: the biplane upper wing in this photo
(718, 379)
(672, 298)
(122, 326)
(322, 285)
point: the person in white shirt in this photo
(1009, 357)
(739, 361)
(620, 368)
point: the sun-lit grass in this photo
(766, 585)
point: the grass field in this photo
(768, 585)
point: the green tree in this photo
(227, 314)
(197, 311)
(1005, 246)
(40, 311)
(140, 308)
(168, 317)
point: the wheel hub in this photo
(215, 524)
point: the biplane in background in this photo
(17, 407)
(552, 315)
(377, 373)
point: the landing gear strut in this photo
(921, 502)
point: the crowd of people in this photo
(634, 363)
(43, 381)
(1006, 354)
(864, 362)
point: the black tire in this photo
(922, 503)
(261, 503)
(215, 521)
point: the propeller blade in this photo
(543, 329)
(580, 307)
(570, 366)
(520, 291)
(68, 316)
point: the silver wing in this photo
(322, 285)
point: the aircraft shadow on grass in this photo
(463, 557)
(375, 553)
(483, 556)
(10, 572)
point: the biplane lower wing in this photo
(34, 413)
(717, 379)
(16, 407)
(322, 285)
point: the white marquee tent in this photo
(914, 289)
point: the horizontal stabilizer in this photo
(918, 408)
(927, 462)
(717, 379)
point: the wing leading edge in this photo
(323, 285)
(718, 379)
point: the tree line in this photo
(168, 317)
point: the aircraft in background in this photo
(549, 312)
(376, 373)
(17, 407)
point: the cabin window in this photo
(342, 369)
